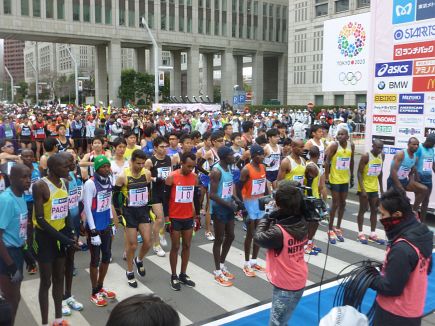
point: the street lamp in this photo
(36, 80)
(75, 75)
(156, 60)
(12, 84)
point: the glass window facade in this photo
(108, 12)
(98, 11)
(121, 13)
(150, 14)
(36, 8)
(163, 15)
(362, 3)
(341, 5)
(87, 11)
(171, 15)
(7, 7)
(131, 21)
(60, 9)
(49, 9)
(25, 8)
(76, 10)
(181, 19)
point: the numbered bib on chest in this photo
(321, 157)
(40, 132)
(299, 178)
(403, 172)
(138, 197)
(23, 226)
(164, 172)
(25, 132)
(79, 191)
(184, 194)
(103, 201)
(374, 170)
(73, 198)
(227, 190)
(343, 163)
(9, 133)
(59, 208)
(258, 187)
(427, 164)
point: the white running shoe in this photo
(159, 251)
(74, 304)
(163, 241)
(66, 311)
(209, 236)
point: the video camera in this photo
(313, 209)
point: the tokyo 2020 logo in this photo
(351, 40)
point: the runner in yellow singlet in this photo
(293, 166)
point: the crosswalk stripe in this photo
(333, 265)
(354, 246)
(29, 294)
(237, 257)
(353, 226)
(117, 282)
(205, 285)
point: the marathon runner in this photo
(87, 162)
(38, 129)
(369, 184)
(131, 145)
(50, 148)
(293, 166)
(272, 160)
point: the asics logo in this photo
(403, 10)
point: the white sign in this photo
(346, 53)
(186, 107)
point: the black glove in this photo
(352, 181)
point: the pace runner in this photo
(100, 220)
(253, 186)
(181, 184)
(403, 172)
(369, 185)
(134, 183)
(52, 235)
(161, 167)
(339, 162)
(425, 168)
(293, 166)
(13, 234)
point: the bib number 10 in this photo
(184, 194)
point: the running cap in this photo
(99, 161)
(256, 150)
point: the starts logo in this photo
(351, 40)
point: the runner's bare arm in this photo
(397, 160)
(329, 153)
(362, 164)
(284, 168)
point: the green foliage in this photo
(217, 97)
(136, 85)
(127, 90)
(22, 91)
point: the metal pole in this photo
(12, 84)
(156, 61)
(76, 77)
(36, 80)
(36, 71)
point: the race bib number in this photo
(227, 190)
(321, 157)
(25, 132)
(403, 172)
(343, 163)
(79, 192)
(427, 164)
(184, 194)
(103, 201)
(299, 178)
(138, 197)
(23, 226)
(258, 187)
(164, 172)
(274, 160)
(9, 133)
(40, 132)
(59, 208)
(73, 198)
(374, 170)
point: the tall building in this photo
(14, 59)
(305, 47)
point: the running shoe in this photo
(339, 234)
(376, 239)
(309, 250)
(258, 268)
(248, 271)
(66, 311)
(131, 280)
(32, 269)
(175, 283)
(74, 304)
(317, 249)
(159, 251)
(163, 241)
(62, 323)
(184, 279)
(139, 238)
(332, 237)
(98, 300)
(362, 238)
(209, 236)
(239, 216)
(75, 271)
(222, 280)
(139, 267)
(107, 293)
(227, 274)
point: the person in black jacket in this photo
(284, 234)
(402, 284)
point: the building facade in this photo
(305, 46)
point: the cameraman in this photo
(284, 235)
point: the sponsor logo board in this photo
(384, 129)
(411, 98)
(387, 140)
(425, 9)
(429, 131)
(391, 150)
(417, 50)
(416, 32)
(384, 119)
(424, 84)
(424, 67)
(411, 109)
(385, 108)
(393, 69)
(397, 84)
(409, 132)
(430, 98)
(385, 98)
(403, 11)
(430, 121)
(410, 120)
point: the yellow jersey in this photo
(340, 165)
(297, 172)
(129, 151)
(371, 172)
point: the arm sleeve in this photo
(89, 191)
(268, 237)
(402, 260)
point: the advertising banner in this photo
(401, 90)
(203, 107)
(346, 54)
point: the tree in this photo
(127, 90)
(166, 89)
(144, 86)
(217, 94)
(22, 91)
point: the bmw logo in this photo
(381, 85)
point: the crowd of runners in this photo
(70, 179)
